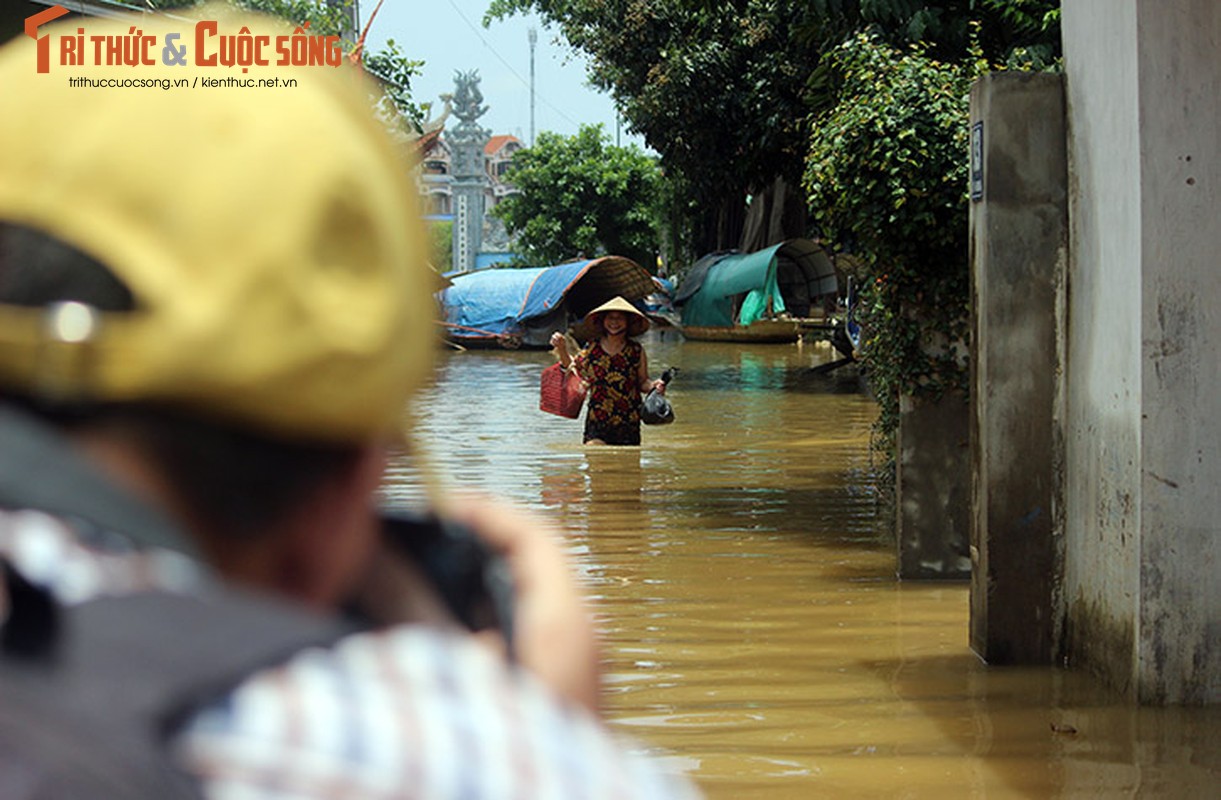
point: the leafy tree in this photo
(1019, 31)
(887, 179)
(582, 195)
(722, 89)
(715, 88)
(395, 71)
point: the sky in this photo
(449, 37)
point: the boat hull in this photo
(762, 331)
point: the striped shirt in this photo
(406, 712)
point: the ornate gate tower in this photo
(469, 176)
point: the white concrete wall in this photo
(1143, 424)
(1102, 437)
(1180, 172)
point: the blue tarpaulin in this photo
(550, 288)
(486, 303)
(530, 303)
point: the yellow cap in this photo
(269, 235)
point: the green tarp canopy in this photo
(739, 288)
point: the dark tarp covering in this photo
(694, 278)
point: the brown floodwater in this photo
(757, 638)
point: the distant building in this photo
(434, 177)
(500, 151)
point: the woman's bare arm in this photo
(645, 382)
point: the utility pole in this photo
(533, 36)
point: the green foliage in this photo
(1007, 31)
(395, 71)
(323, 17)
(441, 245)
(887, 181)
(722, 90)
(582, 195)
(1034, 28)
(716, 89)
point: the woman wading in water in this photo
(616, 370)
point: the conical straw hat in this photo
(591, 326)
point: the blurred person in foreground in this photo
(214, 307)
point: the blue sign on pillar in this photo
(977, 161)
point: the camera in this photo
(471, 579)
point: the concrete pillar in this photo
(1142, 577)
(468, 167)
(1019, 240)
(932, 489)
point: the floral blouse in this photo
(614, 386)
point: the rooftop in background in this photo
(498, 142)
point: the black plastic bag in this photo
(656, 409)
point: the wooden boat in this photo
(772, 295)
(761, 331)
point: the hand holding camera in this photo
(490, 568)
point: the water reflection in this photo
(756, 634)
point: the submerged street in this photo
(756, 635)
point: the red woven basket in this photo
(561, 393)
